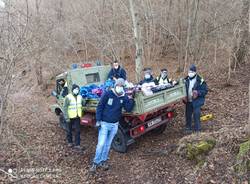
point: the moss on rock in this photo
(196, 151)
(243, 162)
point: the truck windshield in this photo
(92, 78)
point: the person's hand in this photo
(131, 96)
(184, 100)
(67, 120)
(195, 94)
(98, 124)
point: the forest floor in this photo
(37, 152)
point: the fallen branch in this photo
(7, 173)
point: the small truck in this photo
(150, 113)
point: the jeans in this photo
(106, 135)
(76, 123)
(196, 113)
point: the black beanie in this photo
(74, 86)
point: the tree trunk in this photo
(138, 41)
(188, 36)
(242, 49)
(38, 71)
(247, 128)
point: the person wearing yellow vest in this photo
(163, 79)
(73, 111)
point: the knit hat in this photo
(74, 86)
(192, 68)
(147, 70)
(164, 70)
(120, 82)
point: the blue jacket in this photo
(117, 73)
(110, 107)
(201, 87)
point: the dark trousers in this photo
(76, 123)
(193, 112)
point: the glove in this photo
(184, 101)
(98, 124)
(195, 94)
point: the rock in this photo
(201, 148)
(196, 150)
(242, 159)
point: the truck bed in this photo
(144, 104)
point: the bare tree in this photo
(138, 42)
(241, 50)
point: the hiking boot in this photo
(93, 168)
(198, 132)
(78, 149)
(188, 131)
(70, 145)
(104, 166)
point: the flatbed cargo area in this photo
(144, 104)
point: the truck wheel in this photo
(160, 129)
(119, 143)
(62, 122)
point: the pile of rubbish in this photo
(95, 91)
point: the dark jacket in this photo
(151, 79)
(110, 107)
(201, 87)
(117, 73)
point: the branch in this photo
(7, 173)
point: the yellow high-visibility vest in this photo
(75, 106)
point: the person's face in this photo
(62, 83)
(119, 89)
(164, 74)
(147, 75)
(115, 65)
(191, 74)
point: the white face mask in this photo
(76, 91)
(191, 74)
(164, 74)
(119, 89)
(147, 76)
(116, 66)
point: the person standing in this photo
(117, 72)
(108, 115)
(73, 111)
(196, 89)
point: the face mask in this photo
(191, 74)
(163, 75)
(147, 76)
(119, 89)
(76, 91)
